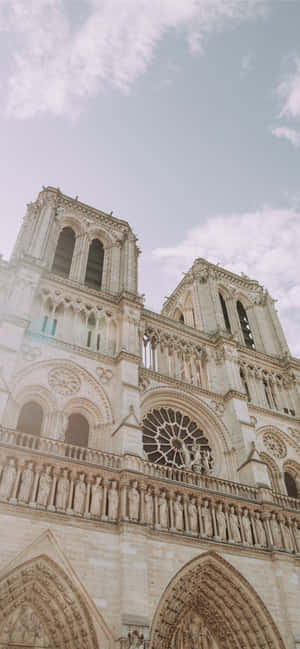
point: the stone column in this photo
(70, 499)
(230, 537)
(105, 484)
(34, 488)
(266, 520)
(51, 506)
(87, 498)
(171, 512)
(123, 505)
(251, 516)
(142, 503)
(156, 513)
(20, 468)
(213, 515)
(80, 257)
(201, 531)
(185, 512)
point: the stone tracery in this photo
(173, 439)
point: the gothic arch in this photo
(84, 407)
(41, 371)
(70, 221)
(50, 593)
(199, 411)
(234, 613)
(273, 471)
(34, 392)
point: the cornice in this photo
(182, 385)
(81, 351)
(88, 210)
(273, 413)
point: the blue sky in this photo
(183, 118)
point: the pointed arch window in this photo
(94, 269)
(78, 429)
(30, 418)
(244, 322)
(64, 252)
(225, 312)
(290, 485)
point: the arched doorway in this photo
(44, 609)
(30, 418)
(210, 605)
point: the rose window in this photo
(175, 440)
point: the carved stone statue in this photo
(207, 520)
(234, 525)
(23, 627)
(276, 533)
(221, 522)
(287, 538)
(113, 502)
(44, 487)
(163, 510)
(247, 527)
(134, 502)
(186, 456)
(297, 481)
(206, 462)
(260, 531)
(62, 491)
(193, 515)
(197, 458)
(191, 633)
(79, 495)
(26, 483)
(97, 495)
(149, 506)
(178, 513)
(297, 535)
(8, 479)
(135, 640)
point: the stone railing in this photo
(118, 495)
(57, 448)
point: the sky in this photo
(181, 117)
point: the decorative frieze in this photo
(80, 491)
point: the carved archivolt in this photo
(233, 613)
(48, 601)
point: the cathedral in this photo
(149, 462)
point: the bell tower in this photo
(214, 300)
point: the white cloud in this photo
(287, 133)
(289, 91)
(262, 244)
(247, 62)
(59, 58)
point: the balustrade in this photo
(119, 496)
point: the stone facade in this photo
(150, 463)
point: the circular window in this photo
(173, 439)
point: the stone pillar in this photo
(51, 506)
